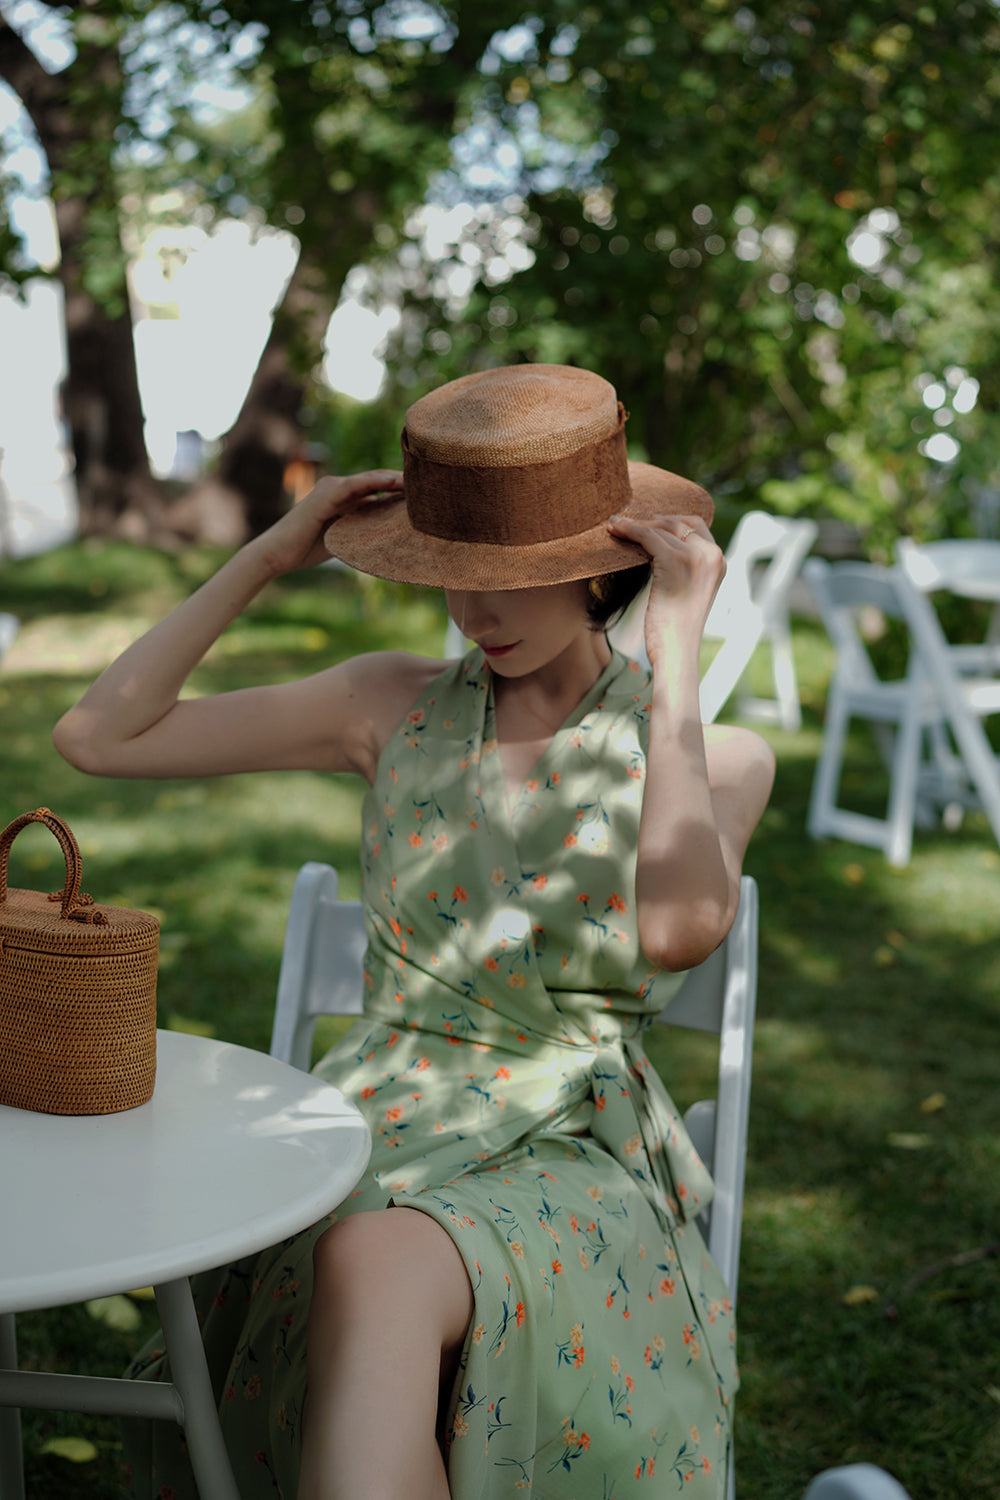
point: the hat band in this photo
(519, 505)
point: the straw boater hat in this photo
(508, 479)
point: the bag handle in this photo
(76, 906)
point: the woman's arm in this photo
(706, 787)
(131, 722)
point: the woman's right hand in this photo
(296, 541)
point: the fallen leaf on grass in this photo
(77, 1449)
(908, 1140)
(857, 1296)
(116, 1312)
(933, 1103)
(854, 874)
(993, 1391)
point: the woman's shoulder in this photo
(386, 686)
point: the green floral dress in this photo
(501, 1069)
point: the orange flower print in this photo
(441, 843)
(583, 896)
(539, 883)
(415, 841)
(615, 902)
(517, 981)
(415, 717)
(667, 1287)
(569, 842)
(397, 929)
(706, 1465)
(519, 1314)
(367, 1092)
(491, 964)
(531, 786)
(502, 1073)
(557, 1267)
(458, 894)
(394, 1113)
(253, 1388)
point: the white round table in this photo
(234, 1152)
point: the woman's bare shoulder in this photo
(384, 686)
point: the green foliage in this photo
(868, 1303)
(703, 260)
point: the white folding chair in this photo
(9, 626)
(763, 560)
(966, 679)
(856, 1482)
(962, 566)
(321, 974)
(928, 709)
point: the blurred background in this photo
(236, 241)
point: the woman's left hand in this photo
(688, 567)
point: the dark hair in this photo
(610, 594)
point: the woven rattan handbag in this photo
(77, 993)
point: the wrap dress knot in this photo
(500, 1065)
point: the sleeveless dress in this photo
(500, 1066)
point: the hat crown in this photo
(513, 416)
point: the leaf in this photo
(115, 1312)
(143, 1294)
(933, 1103)
(993, 1391)
(857, 1296)
(77, 1449)
(908, 1140)
(854, 874)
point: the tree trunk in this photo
(267, 434)
(76, 114)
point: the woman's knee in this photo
(396, 1257)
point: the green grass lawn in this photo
(869, 1307)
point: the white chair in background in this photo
(914, 718)
(763, 559)
(9, 626)
(963, 566)
(966, 679)
(321, 974)
(856, 1482)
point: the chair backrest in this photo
(965, 700)
(780, 542)
(321, 974)
(841, 592)
(947, 563)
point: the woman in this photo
(517, 1295)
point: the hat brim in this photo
(378, 538)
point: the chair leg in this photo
(11, 1460)
(826, 778)
(786, 686)
(903, 792)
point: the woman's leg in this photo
(390, 1309)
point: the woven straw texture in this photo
(513, 418)
(509, 478)
(77, 993)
